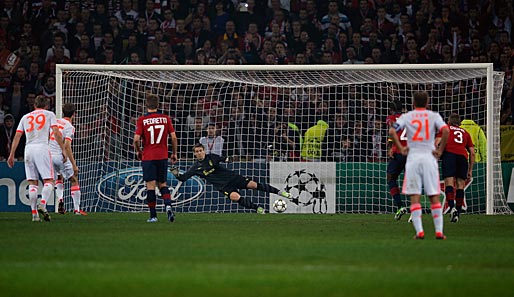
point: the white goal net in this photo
(265, 118)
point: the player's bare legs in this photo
(166, 196)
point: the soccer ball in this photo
(279, 205)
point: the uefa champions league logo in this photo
(127, 188)
(307, 190)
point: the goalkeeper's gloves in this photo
(175, 171)
(229, 159)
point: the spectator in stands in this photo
(13, 12)
(48, 90)
(57, 58)
(23, 51)
(235, 133)
(360, 143)
(341, 20)
(168, 25)
(29, 34)
(177, 37)
(41, 17)
(126, 12)
(275, 7)
(383, 25)
(7, 132)
(212, 142)
(253, 139)
(338, 130)
(35, 77)
(179, 11)
(219, 19)
(352, 57)
(251, 13)
(361, 50)
(106, 57)
(152, 49)
(58, 40)
(230, 36)
(150, 13)
(358, 15)
(100, 15)
(252, 43)
(299, 59)
(3, 109)
(198, 33)
(132, 47)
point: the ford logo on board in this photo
(126, 187)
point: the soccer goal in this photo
(318, 131)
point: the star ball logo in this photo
(307, 190)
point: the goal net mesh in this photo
(261, 117)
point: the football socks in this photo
(151, 200)
(437, 215)
(415, 211)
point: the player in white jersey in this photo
(421, 169)
(38, 161)
(66, 170)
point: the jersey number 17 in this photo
(160, 131)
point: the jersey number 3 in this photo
(160, 131)
(458, 137)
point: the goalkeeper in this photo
(225, 180)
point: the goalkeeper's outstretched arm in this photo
(182, 176)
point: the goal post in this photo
(263, 114)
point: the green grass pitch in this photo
(119, 254)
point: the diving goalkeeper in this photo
(225, 180)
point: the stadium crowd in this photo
(37, 35)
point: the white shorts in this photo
(60, 168)
(421, 171)
(38, 162)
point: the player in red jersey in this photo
(153, 129)
(396, 163)
(455, 167)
